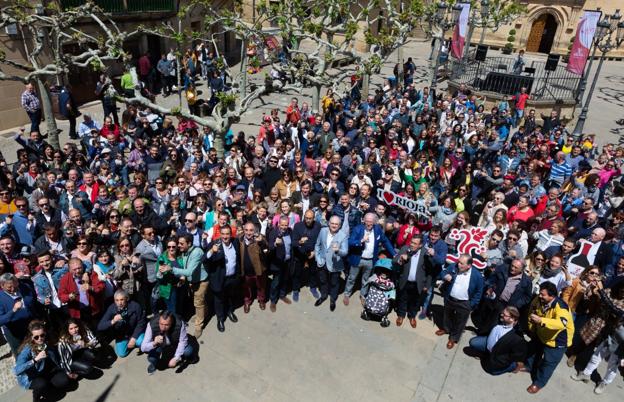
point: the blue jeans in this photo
(543, 361)
(35, 120)
(121, 347)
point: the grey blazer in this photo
(326, 257)
(148, 258)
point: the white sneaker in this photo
(600, 388)
(580, 376)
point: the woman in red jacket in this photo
(81, 291)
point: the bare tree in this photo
(45, 32)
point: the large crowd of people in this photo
(131, 237)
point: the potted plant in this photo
(510, 41)
(227, 101)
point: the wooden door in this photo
(535, 36)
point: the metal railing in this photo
(495, 74)
(126, 6)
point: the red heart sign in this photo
(389, 197)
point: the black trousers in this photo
(51, 381)
(279, 276)
(330, 284)
(72, 126)
(299, 273)
(82, 361)
(485, 317)
(456, 313)
(224, 300)
(409, 300)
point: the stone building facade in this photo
(549, 26)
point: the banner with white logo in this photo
(459, 34)
(583, 41)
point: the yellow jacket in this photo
(557, 326)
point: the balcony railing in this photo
(126, 6)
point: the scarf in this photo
(548, 272)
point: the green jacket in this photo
(192, 266)
(126, 81)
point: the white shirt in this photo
(460, 287)
(411, 277)
(591, 255)
(330, 238)
(305, 204)
(54, 295)
(369, 246)
(497, 332)
(230, 259)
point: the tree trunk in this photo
(243, 69)
(365, 85)
(48, 114)
(219, 143)
(316, 98)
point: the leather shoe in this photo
(286, 300)
(262, 305)
(332, 306)
(273, 307)
(399, 321)
(233, 317)
(440, 332)
(533, 389)
(520, 368)
(246, 308)
(450, 344)
(413, 322)
(220, 326)
(320, 301)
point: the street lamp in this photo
(604, 42)
(445, 21)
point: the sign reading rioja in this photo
(391, 198)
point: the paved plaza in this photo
(307, 353)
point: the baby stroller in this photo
(381, 292)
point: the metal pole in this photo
(578, 130)
(583, 82)
(434, 79)
(471, 26)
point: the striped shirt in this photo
(560, 171)
(30, 102)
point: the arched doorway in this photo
(542, 34)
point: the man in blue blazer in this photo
(16, 310)
(332, 245)
(462, 290)
(365, 243)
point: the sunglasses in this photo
(594, 273)
(44, 205)
(82, 243)
(20, 205)
(189, 220)
(124, 245)
(37, 337)
(172, 247)
(512, 238)
(114, 216)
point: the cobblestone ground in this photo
(7, 362)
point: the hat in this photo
(266, 119)
(389, 171)
(384, 263)
(106, 151)
(239, 187)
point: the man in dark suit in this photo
(600, 250)
(304, 200)
(304, 237)
(69, 109)
(47, 214)
(462, 292)
(223, 275)
(413, 280)
(280, 255)
(507, 286)
(503, 349)
(256, 183)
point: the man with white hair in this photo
(332, 245)
(365, 244)
(600, 252)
